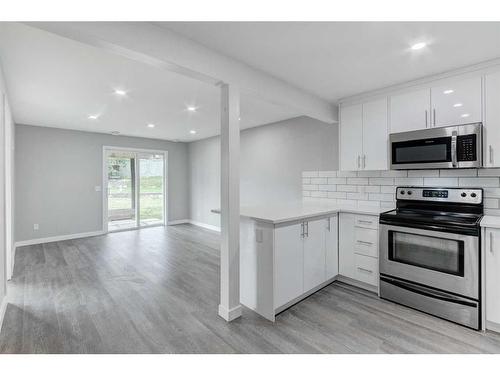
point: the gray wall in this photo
(272, 160)
(57, 171)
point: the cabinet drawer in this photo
(366, 241)
(366, 221)
(366, 269)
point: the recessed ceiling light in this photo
(93, 117)
(447, 92)
(192, 131)
(456, 105)
(151, 125)
(191, 108)
(418, 46)
(465, 115)
(239, 118)
(120, 92)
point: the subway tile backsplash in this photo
(378, 188)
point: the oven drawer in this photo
(366, 269)
(366, 241)
(366, 221)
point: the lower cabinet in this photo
(279, 264)
(358, 248)
(492, 288)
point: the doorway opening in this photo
(135, 188)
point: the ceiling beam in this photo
(165, 49)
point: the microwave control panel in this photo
(466, 147)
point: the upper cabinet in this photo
(351, 131)
(491, 140)
(449, 102)
(456, 102)
(363, 136)
(410, 111)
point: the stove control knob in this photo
(409, 192)
(465, 194)
(473, 195)
(402, 192)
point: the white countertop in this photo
(490, 221)
(282, 213)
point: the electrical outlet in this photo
(36, 227)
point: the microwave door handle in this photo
(454, 161)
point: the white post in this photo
(229, 307)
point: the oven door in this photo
(441, 260)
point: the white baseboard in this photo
(197, 223)
(177, 222)
(206, 226)
(64, 237)
(230, 314)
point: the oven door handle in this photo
(428, 292)
(454, 161)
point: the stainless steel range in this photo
(430, 252)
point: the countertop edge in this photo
(490, 221)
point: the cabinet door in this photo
(492, 275)
(314, 254)
(288, 264)
(410, 111)
(332, 247)
(346, 246)
(375, 135)
(351, 132)
(492, 120)
(456, 102)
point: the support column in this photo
(229, 307)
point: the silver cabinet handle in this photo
(302, 230)
(365, 270)
(426, 114)
(364, 161)
(365, 242)
(434, 116)
(491, 242)
(359, 161)
(365, 221)
(306, 226)
(328, 224)
(490, 149)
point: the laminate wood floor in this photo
(156, 291)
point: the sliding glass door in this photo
(135, 189)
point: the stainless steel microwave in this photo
(447, 147)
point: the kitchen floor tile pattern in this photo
(156, 291)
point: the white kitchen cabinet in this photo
(456, 102)
(358, 249)
(285, 262)
(492, 264)
(351, 133)
(332, 247)
(410, 111)
(289, 263)
(363, 136)
(491, 140)
(375, 135)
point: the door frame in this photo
(104, 199)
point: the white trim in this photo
(492, 326)
(206, 226)
(36, 241)
(177, 222)
(231, 314)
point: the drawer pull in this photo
(491, 242)
(367, 243)
(365, 221)
(365, 270)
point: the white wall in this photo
(272, 160)
(57, 171)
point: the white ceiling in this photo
(339, 59)
(57, 82)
